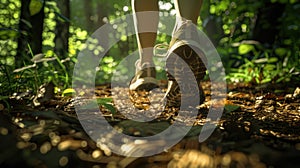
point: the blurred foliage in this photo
(248, 60)
(230, 24)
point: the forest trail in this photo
(259, 128)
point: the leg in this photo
(188, 9)
(143, 23)
(146, 24)
(185, 46)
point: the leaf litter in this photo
(259, 128)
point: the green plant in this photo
(264, 66)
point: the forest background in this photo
(258, 41)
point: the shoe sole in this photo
(146, 83)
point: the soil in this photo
(259, 127)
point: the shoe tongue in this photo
(184, 22)
(147, 65)
(147, 69)
(144, 65)
(185, 29)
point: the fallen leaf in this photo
(231, 107)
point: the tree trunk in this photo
(62, 30)
(37, 22)
(88, 11)
(213, 28)
(24, 28)
(266, 27)
(101, 12)
(31, 28)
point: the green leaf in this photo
(104, 100)
(62, 17)
(245, 48)
(280, 51)
(110, 107)
(68, 92)
(270, 67)
(266, 80)
(107, 103)
(231, 107)
(35, 6)
(287, 42)
(6, 33)
(272, 60)
(194, 131)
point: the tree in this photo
(267, 24)
(31, 29)
(62, 29)
(88, 6)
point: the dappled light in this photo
(50, 114)
(254, 128)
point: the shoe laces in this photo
(161, 50)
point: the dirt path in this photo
(260, 127)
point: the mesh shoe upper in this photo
(144, 78)
(184, 50)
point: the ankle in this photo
(182, 22)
